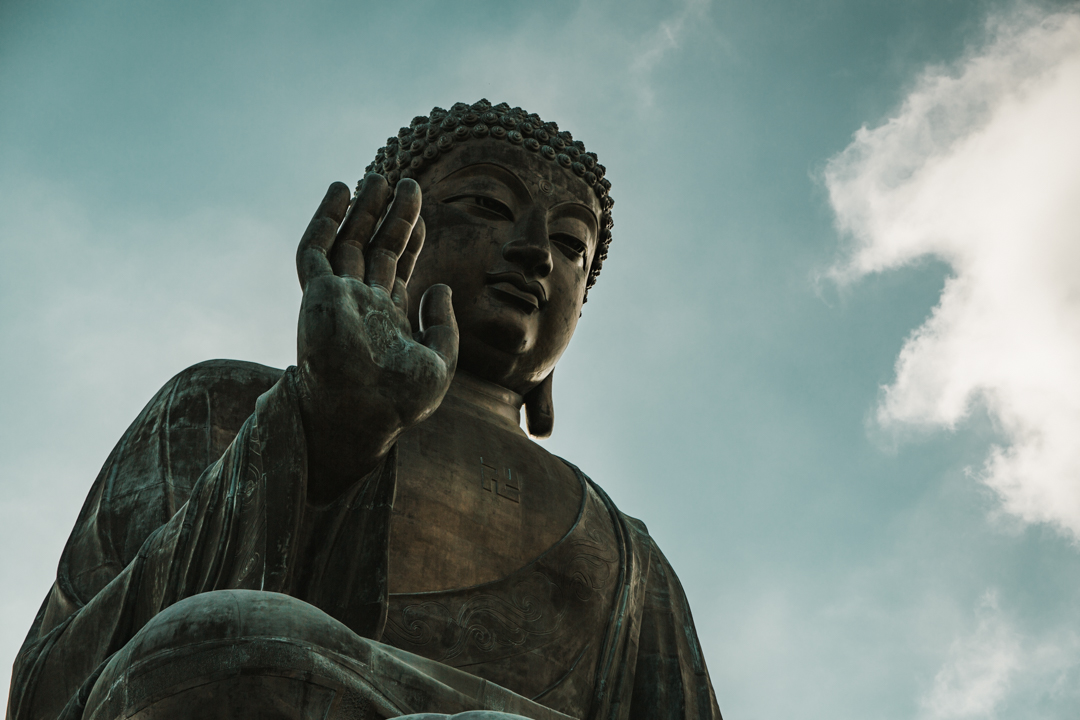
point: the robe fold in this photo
(207, 491)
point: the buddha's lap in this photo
(251, 654)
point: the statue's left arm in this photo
(652, 667)
(670, 678)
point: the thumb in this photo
(438, 327)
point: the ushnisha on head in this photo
(430, 137)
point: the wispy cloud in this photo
(976, 677)
(570, 51)
(980, 168)
(994, 669)
(664, 39)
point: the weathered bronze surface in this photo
(371, 534)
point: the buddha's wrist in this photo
(346, 438)
(337, 460)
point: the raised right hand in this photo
(364, 377)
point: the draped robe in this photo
(207, 491)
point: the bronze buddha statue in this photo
(371, 534)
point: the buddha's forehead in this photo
(541, 176)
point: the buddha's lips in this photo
(515, 284)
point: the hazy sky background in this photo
(833, 361)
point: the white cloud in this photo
(980, 169)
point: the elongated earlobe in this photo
(539, 409)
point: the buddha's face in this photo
(513, 235)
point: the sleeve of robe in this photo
(652, 667)
(234, 528)
(670, 678)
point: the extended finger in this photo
(392, 236)
(311, 255)
(438, 326)
(347, 255)
(407, 261)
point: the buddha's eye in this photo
(483, 206)
(571, 247)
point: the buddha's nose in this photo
(530, 249)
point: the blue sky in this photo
(846, 549)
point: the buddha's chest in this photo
(538, 631)
(473, 503)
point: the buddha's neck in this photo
(469, 395)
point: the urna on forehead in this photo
(427, 138)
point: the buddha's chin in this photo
(497, 350)
(509, 340)
(506, 329)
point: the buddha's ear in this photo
(539, 409)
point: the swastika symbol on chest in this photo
(502, 481)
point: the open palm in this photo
(364, 376)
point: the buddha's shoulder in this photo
(214, 396)
(226, 376)
(636, 526)
(219, 383)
